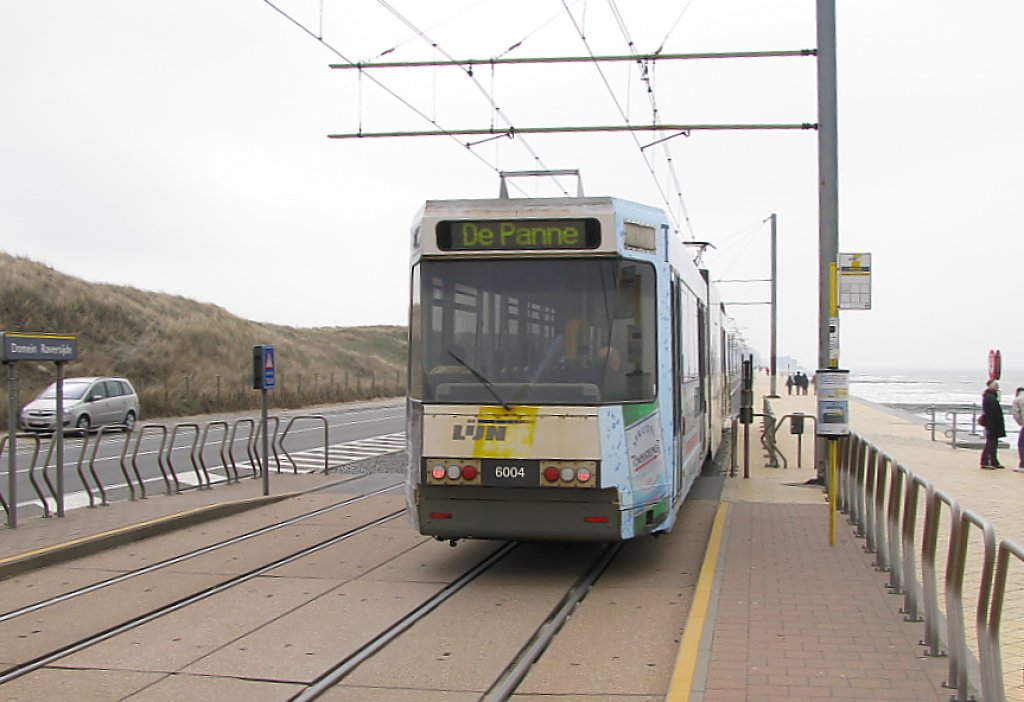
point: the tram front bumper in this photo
(527, 515)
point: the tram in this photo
(570, 370)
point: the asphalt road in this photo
(229, 436)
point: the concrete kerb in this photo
(88, 545)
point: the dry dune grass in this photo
(186, 357)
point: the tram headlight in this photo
(454, 471)
(567, 474)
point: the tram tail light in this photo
(451, 471)
(596, 520)
(569, 474)
(440, 515)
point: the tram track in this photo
(189, 555)
(489, 620)
(505, 684)
(165, 610)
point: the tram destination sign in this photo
(518, 235)
(19, 346)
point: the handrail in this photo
(993, 662)
(272, 440)
(929, 546)
(103, 430)
(46, 477)
(78, 469)
(958, 658)
(327, 439)
(251, 423)
(768, 437)
(192, 454)
(139, 431)
(32, 475)
(221, 424)
(121, 462)
(881, 515)
(897, 478)
(912, 595)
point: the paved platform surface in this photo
(794, 618)
(791, 617)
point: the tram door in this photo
(702, 355)
(678, 410)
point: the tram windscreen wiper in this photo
(486, 383)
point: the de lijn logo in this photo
(484, 429)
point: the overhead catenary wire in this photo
(385, 88)
(618, 106)
(645, 76)
(469, 73)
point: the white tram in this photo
(569, 372)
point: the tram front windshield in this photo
(533, 331)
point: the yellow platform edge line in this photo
(132, 527)
(689, 646)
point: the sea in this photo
(918, 391)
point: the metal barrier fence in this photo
(881, 498)
(175, 479)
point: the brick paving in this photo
(794, 618)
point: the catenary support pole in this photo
(59, 438)
(828, 187)
(12, 449)
(773, 366)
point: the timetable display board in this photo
(518, 235)
(854, 281)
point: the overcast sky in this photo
(182, 147)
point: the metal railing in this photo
(217, 435)
(881, 498)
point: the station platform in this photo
(783, 615)
(791, 617)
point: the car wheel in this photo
(129, 421)
(83, 423)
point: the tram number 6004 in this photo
(498, 472)
(507, 472)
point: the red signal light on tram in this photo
(437, 472)
(583, 475)
(468, 472)
(551, 474)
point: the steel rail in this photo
(330, 678)
(505, 686)
(174, 560)
(135, 622)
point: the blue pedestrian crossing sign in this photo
(263, 367)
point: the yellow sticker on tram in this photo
(502, 433)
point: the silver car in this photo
(88, 403)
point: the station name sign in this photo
(19, 346)
(519, 235)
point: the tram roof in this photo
(535, 206)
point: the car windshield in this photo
(533, 331)
(73, 390)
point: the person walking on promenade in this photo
(789, 385)
(1017, 410)
(992, 420)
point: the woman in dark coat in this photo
(995, 427)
